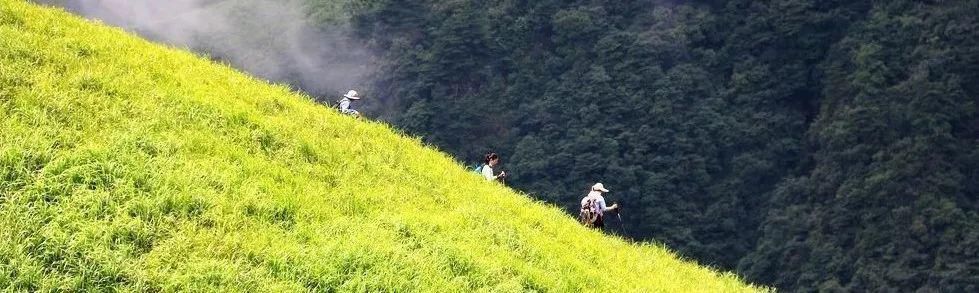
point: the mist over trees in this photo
(808, 145)
(304, 43)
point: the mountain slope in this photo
(130, 166)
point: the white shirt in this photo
(598, 199)
(488, 172)
(345, 107)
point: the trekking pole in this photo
(618, 214)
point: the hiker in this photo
(491, 160)
(344, 103)
(593, 207)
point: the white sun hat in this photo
(599, 187)
(352, 94)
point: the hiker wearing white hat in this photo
(344, 103)
(593, 207)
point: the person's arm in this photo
(614, 207)
(488, 173)
(601, 203)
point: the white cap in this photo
(352, 94)
(599, 187)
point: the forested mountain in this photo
(830, 145)
(810, 145)
(127, 166)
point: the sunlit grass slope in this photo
(127, 165)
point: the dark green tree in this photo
(811, 145)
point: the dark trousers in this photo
(600, 222)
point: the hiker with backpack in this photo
(593, 207)
(344, 103)
(490, 161)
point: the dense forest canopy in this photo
(826, 145)
(810, 145)
(128, 166)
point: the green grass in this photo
(126, 165)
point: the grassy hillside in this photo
(131, 166)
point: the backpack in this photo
(336, 105)
(589, 213)
(478, 169)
